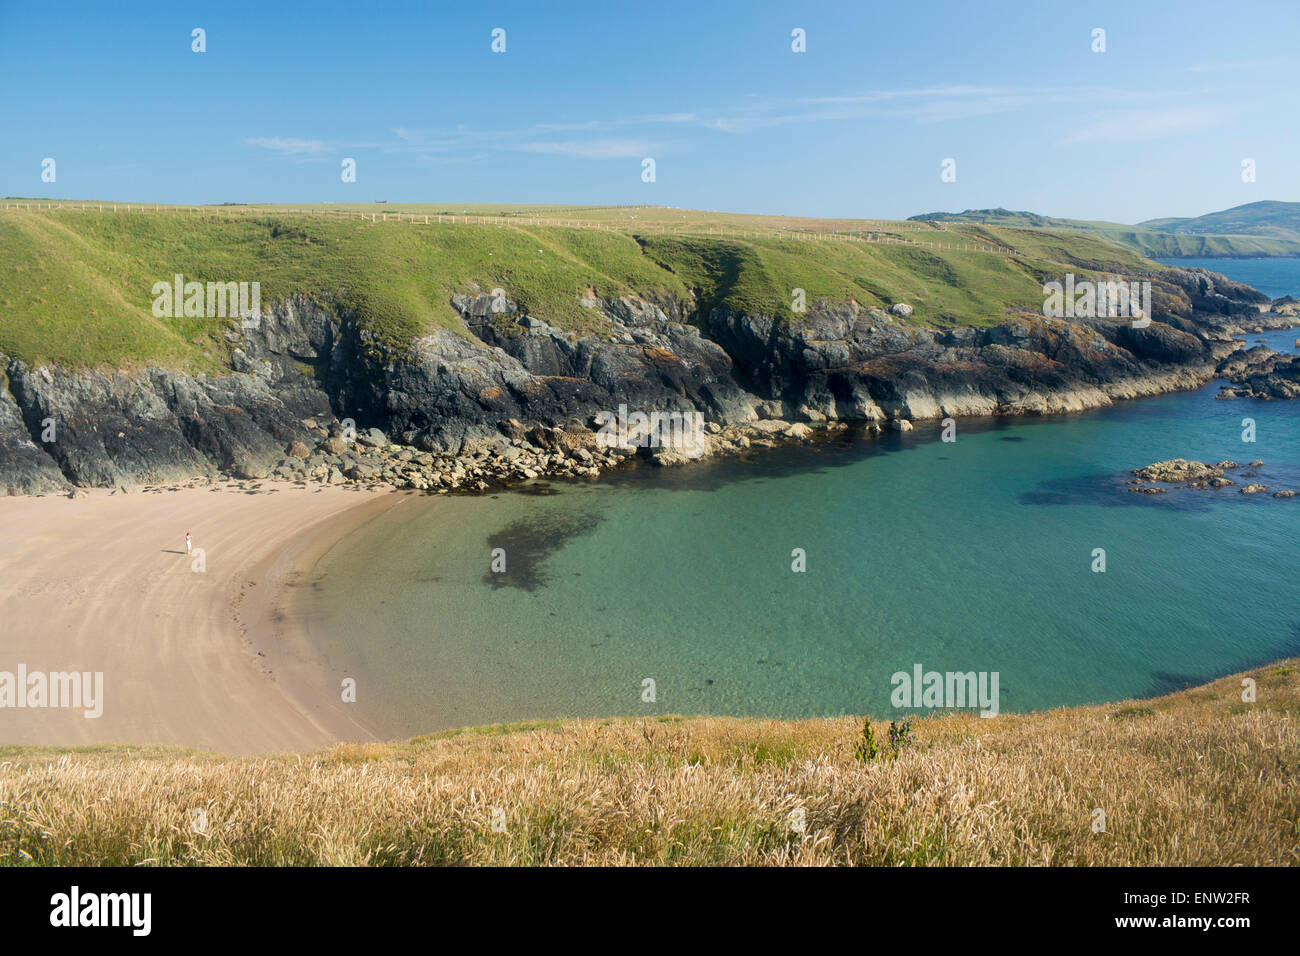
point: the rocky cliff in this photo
(509, 377)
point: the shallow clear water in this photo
(970, 555)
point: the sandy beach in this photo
(102, 583)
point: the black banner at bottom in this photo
(334, 905)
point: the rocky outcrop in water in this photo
(1287, 305)
(1264, 374)
(1181, 471)
(307, 377)
(1152, 479)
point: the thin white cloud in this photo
(920, 105)
(532, 139)
(670, 118)
(592, 149)
(1140, 125)
(289, 146)
(1237, 65)
(1099, 114)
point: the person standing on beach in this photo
(188, 543)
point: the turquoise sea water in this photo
(970, 555)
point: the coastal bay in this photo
(970, 555)
(782, 581)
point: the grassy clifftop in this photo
(1280, 220)
(75, 285)
(1256, 230)
(1194, 778)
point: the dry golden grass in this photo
(1195, 778)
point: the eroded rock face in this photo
(25, 467)
(843, 365)
(114, 429)
(450, 389)
(110, 429)
(510, 379)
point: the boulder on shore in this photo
(798, 430)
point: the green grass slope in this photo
(1267, 218)
(76, 286)
(1216, 236)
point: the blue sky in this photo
(858, 125)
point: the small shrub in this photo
(901, 734)
(1125, 713)
(865, 750)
